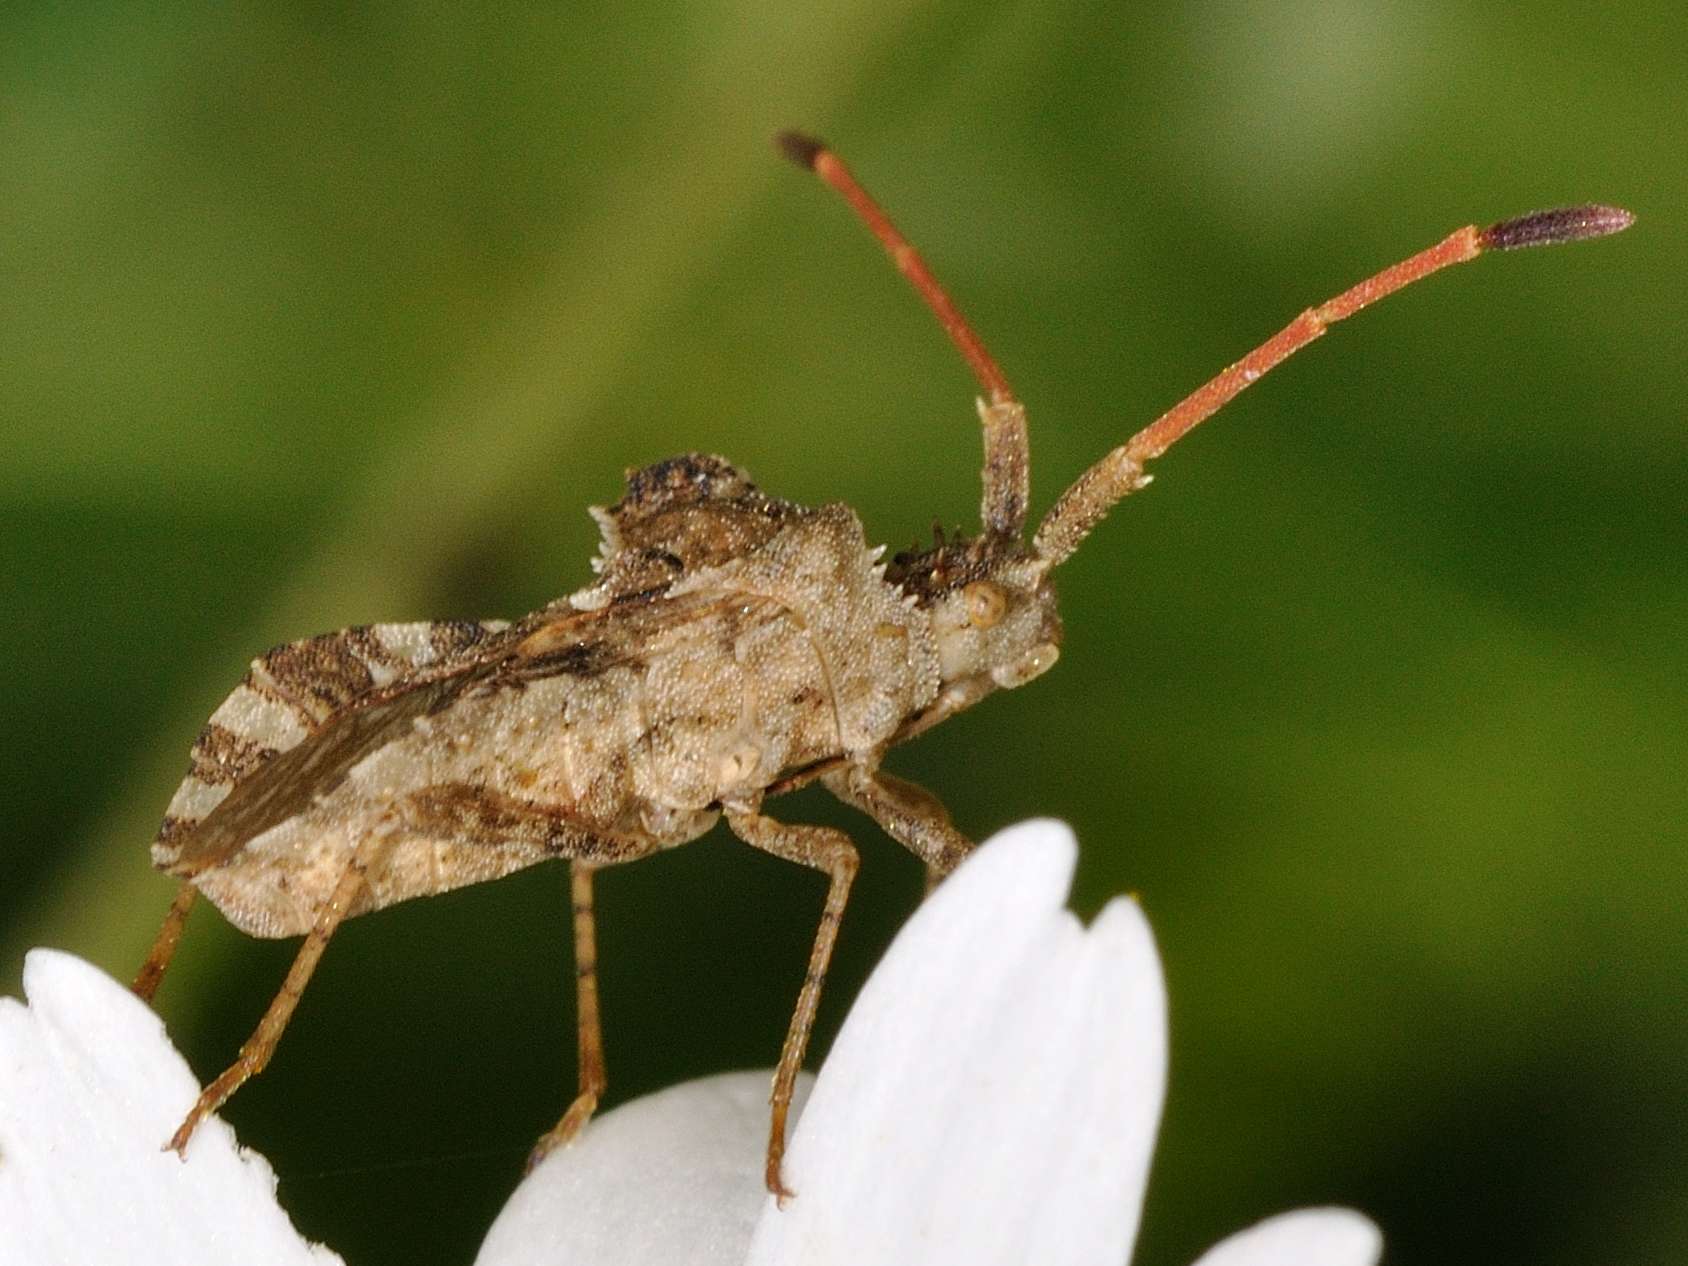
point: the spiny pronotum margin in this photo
(1077, 510)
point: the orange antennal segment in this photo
(1542, 228)
(808, 152)
(1006, 476)
(1082, 506)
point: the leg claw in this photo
(564, 1132)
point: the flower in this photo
(89, 1087)
(992, 1098)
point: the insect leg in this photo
(824, 849)
(256, 1051)
(164, 947)
(593, 1077)
(907, 812)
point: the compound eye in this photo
(986, 604)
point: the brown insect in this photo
(733, 646)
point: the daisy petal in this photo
(1302, 1237)
(673, 1178)
(993, 1096)
(89, 1090)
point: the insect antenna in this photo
(1007, 473)
(1082, 506)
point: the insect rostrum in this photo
(733, 646)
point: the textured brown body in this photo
(733, 646)
(731, 639)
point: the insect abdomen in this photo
(288, 695)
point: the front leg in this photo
(824, 849)
(909, 814)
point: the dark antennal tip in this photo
(1550, 228)
(800, 148)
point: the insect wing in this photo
(305, 713)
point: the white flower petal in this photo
(673, 1179)
(89, 1090)
(993, 1096)
(1303, 1237)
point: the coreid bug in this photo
(733, 646)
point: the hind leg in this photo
(256, 1051)
(164, 947)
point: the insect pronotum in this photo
(733, 646)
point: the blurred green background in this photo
(312, 315)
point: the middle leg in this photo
(824, 849)
(593, 1076)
